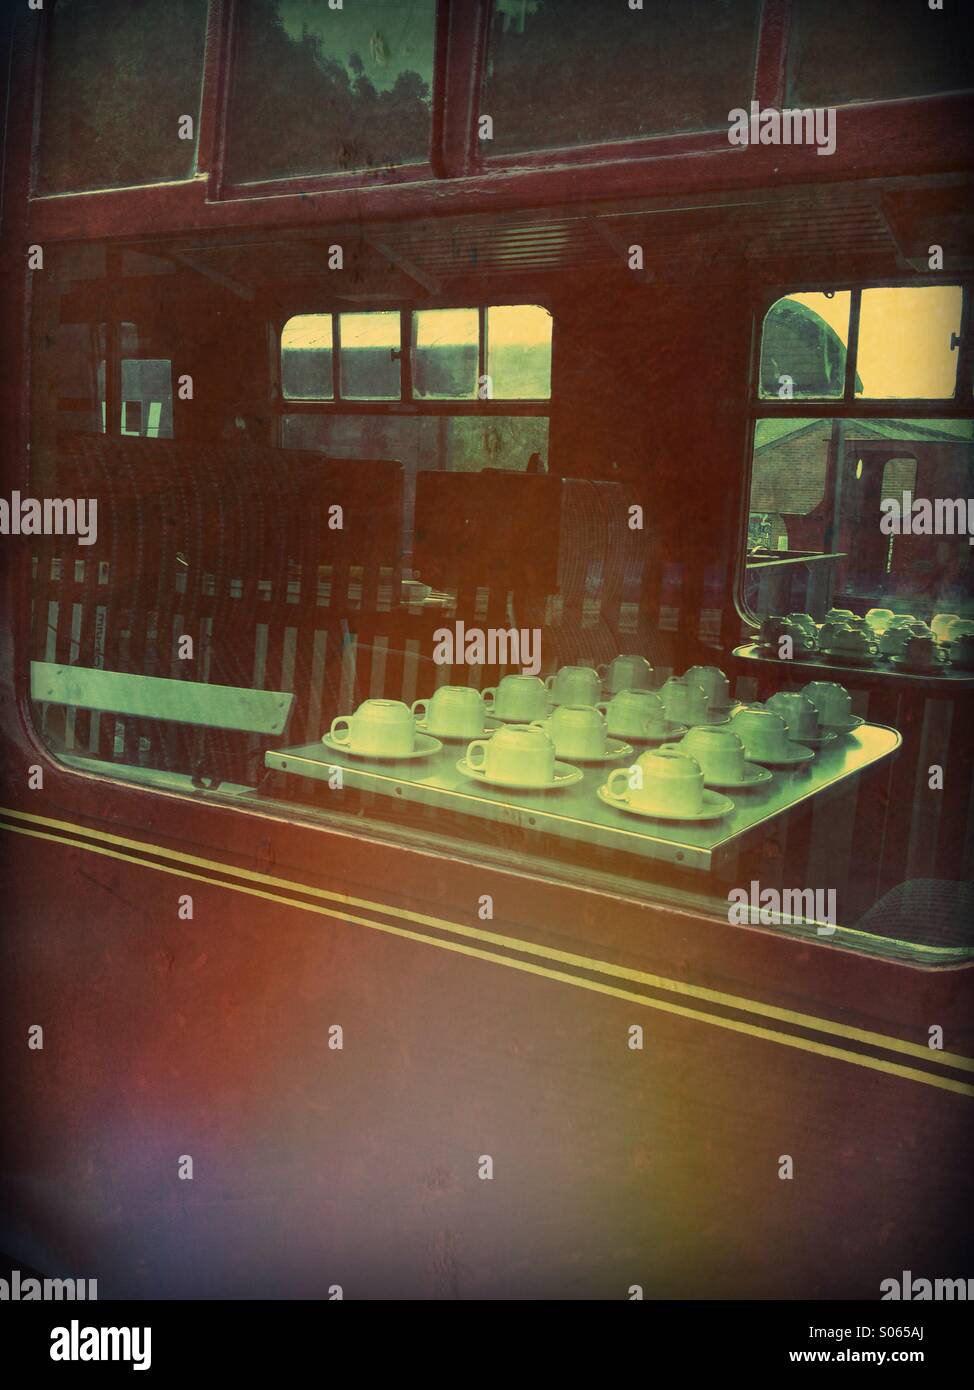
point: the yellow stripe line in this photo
(664, 1006)
(599, 967)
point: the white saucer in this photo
(672, 731)
(565, 776)
(491, 727)
(615, 748)
(841, 659)
(521, 718)
(818, 740)
(425, 746)
(797, 754)
(853, 722)
(932, 668)
(754, 776)
(714, 806)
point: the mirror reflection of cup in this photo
(851, 642)
(452, 711)
(684, 700)
(713, 681)
(635, 714)
(665, 780)
(878, 620)
(517, 697)
(942, 626)
(833, 701)
(763, 733)
(516, 753)
(575, 685)
(378, 728)
(719, 751)
(627, 673)
(578, 731)
(797, 711)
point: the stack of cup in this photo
(517, 699)
(377, 729)
(638, 716)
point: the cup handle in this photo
(613, 775)
(602, 669)
(480, 746)
(419, 709)
(549, 682)
(489, 695)
(336, 731)
(603, 708)
(538, 724)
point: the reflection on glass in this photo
(873, 50)
(803, 346)
(306, 358)
(446, 344)
(576, 72)
(820, 484)
(519, 351)
(907, 342)
(119, 77)
(322, 90)
(370, 368)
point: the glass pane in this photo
(147, 397)
(445, 353)
(574, 72)
(873, 50)
(306, 358)
(824, 488)
(803, 346)
(119, 79)
(519, 351)
(370, 368)
(907, 342)
(319, 90)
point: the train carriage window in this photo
(119, 80)
(306, 358)
(803, 346)
(445, 353)
(863, 509)
(573, 72)
(876, 50)
(908, 339)
(519, 351)
(370, 356)
(351, 86)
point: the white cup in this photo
(662, 780)
(839, 615)
(763, 733)
(798, 712)
(684, 700)
(719, 751)
(577, 731)
(921, 650)
(627, 673)
(575, 685)
(878, 620)
(452, 711)
(893, 640)
(942, 625)
(517, 697)
(833, 702)
(516, 753)
(962, 651)
(901, 620)
(378, 729)
(635, 714)
(713, 681)
(805, 622)
(850, 642)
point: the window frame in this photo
(407, 403)
(848, 406)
